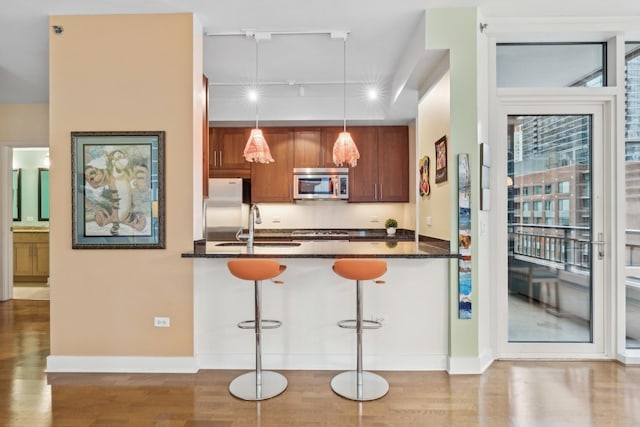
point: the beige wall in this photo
(124, 72)
(24, 123)
(434, 122)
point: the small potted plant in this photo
(391, 224)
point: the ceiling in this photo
(301, 75)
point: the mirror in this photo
(43, 194)
(16, 195)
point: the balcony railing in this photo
(566, 245)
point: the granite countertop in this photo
(29, 229)
(358, 243)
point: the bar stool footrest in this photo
(244, 386)
(266, 324)
(366, 324)
(373, 386)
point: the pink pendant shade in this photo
(345, 150)
(257, 149)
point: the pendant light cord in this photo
(257, 84)
(344, 84)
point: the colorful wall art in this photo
(441, 160)
(425, 188)
(464, 237)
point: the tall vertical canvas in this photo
(464, 237)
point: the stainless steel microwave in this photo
(321, 183)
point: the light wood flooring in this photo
(545, 394)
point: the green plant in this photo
(390, 223)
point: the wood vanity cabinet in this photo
(312, 149)
(30, 256)
(273, 182)
(382, 173)
(226, 148)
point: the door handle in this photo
(600, 242)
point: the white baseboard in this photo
(337, 362)
(121, 364)
(334, 362)
(470, 365)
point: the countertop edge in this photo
(412, 256)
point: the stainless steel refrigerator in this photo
(223, 213)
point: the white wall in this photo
(433, 123)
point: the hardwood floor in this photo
(507, 394)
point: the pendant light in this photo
(344, 149)
(257, 149)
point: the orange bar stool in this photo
(258, 384)
(360, 385)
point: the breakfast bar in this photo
(412, 305)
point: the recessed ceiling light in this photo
(372, 94)
(253, 95)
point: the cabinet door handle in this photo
(380, 191)
(375, 191)
(220, 158)
(215, 159)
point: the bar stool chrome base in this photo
(373, 386)
(244, 386)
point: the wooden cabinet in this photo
(205, 136)
(382, 173)
(226, 147)
(273, 182)
(393, 163)
(30, 256)
(312, 149)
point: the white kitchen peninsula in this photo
(412, 305)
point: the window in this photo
(525, 191)
(563, 211)
(548, 189)
(550, 64)
(563, 187)
(537, 189)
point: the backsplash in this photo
(334, 214)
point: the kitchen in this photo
(167, 286)
(346, 222)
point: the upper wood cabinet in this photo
(382, 173)
(311, 149)
(205, 136)
(273, 182)
(226, 148)
(393, 163)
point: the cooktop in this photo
(319, 233)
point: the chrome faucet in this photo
(254, 218)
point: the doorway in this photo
(553, 296)
(30, 223)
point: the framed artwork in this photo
(118, 192)
(16, 195)
(465, 285)
(425, 188)
(43, 194)
(441, 160)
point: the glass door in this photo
(554, 299)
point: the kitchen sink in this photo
(268, 244)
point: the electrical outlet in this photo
(374, 219)
(276, 220)
(428, 221)
(161, 322)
